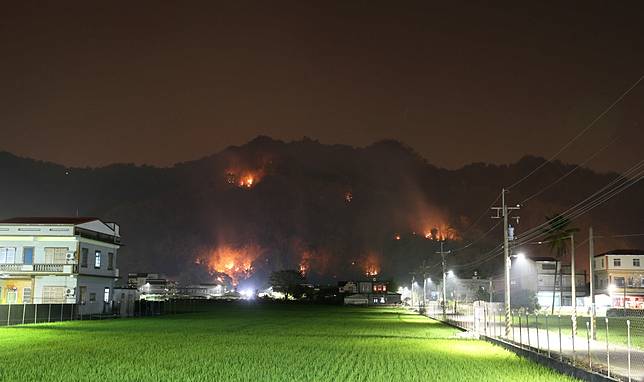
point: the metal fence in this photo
(612, 345)
(19, 314)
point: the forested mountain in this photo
(335, 211)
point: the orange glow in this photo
(244, 178)
(305, 263)
(237, 263)
(397, 237)
(348, 196)
(440, 232)
(371, 265)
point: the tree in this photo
(557, 232)
(525, 299)
(289, 282)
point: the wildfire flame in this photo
(237, 263)
(244, 178)
(371, 265)
(441, 232)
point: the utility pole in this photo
(443, 253)
(573, 284)
(591, 259)
(503, 212)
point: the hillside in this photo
(336, 211)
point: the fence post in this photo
(527, 326)
(520, 331)
(49, 314)
(24, 308)
(607, 349)
(35, 313)
(590, 359)
(572, 335)
(61, 311)
(547, 334)
(8, 314)
(628, 336)
(71, 314)
(536, 325)
(559, 325)
(512, 324)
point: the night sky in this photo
(91, 83)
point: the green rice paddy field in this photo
(261, 342)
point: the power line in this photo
(582, 132)
(564, 176)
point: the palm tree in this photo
(557, 232)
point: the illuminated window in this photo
(97, 259)
(617, 262)
(84, 256)
(106, 294)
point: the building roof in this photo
(48, 220)
(622, 252)
(542, 258)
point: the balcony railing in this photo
(10, 267)
(49, 268)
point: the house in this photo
(201, 291)
(537, 274)
(59, 260)
(368, 292)
(151, 286)
(619, 279)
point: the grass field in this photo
(243, 342)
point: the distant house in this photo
(619, 279)
(537, 274)
(201, 291)
(368, 292)
(151, 286)
(59, 260)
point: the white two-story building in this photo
(619, 279)
(59, 260)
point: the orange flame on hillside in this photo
(440, 232)
(237, 263)
(244, 178)
(371, 265)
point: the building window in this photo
(28, 255)
(26, 295)
(636, 262)
(548, 266)
(51, 294)
(92, 297)
(106, 294)
(97, 259)
(83, 295)
(619, 281)
(110, 261)
(56, 255)
(8, 255)
(617, 262)
(84, 256)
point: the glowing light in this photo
(520, 256)
(371, 264)
(237, 263)
(450, 273)
(244, 178)
(247, 293)
(397, 237)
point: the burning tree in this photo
(237, 263)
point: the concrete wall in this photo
(96, 285)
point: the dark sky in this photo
(92, 83)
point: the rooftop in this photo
(623, 252)
(48, 220)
